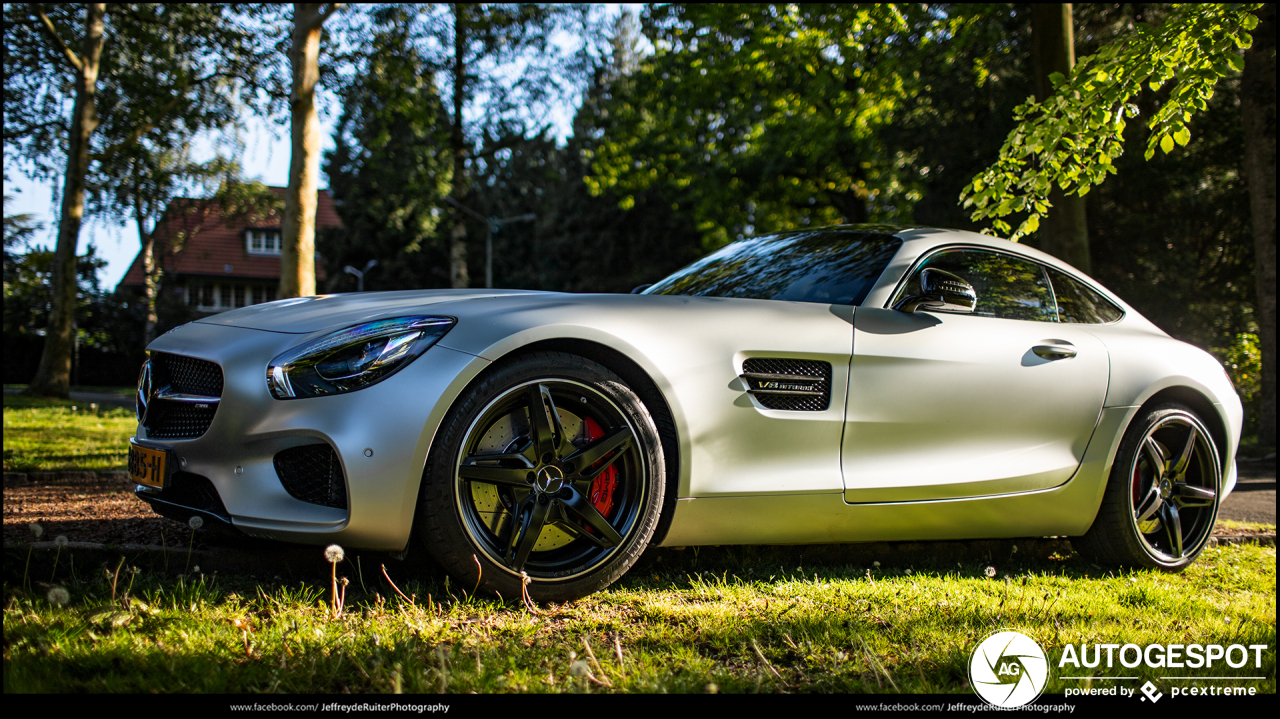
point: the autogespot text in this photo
(1160, 656)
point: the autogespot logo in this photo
(1008, 669)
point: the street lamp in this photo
(359, 274)
(491, 224)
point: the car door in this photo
(945, 405)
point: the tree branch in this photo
(321, 14)
(51, 34)
(136, 136)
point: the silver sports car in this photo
(846, 384)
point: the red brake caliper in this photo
(603, 486)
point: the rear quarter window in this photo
(1080, 304)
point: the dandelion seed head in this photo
(876, 565)
(60, 540)
(196, 569)
(334, 554)
(59, 596)
(991, 571)
(36, 529)
(579, 668)
(195, 522)
(712, 688)
(907, 570)
(343, 581)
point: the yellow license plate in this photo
(146, 465)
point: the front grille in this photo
(167, 419)
(814, 376)
(187, 375)
(313, 474)
(194, 491)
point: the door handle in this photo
(1054, 351)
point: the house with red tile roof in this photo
(213, 265)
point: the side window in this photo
(1008, 287)
(1078, 303)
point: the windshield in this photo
(825, 266)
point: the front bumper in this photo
(381, 435)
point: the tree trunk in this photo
(1064, 232)
(1258, 110)
(298, 249)
(458, 237)
(53, 377)
(150, 277)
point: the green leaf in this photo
(1183, 136)
(1166, 144)
(1056, 78)
(1249, 21)
(1236, 61)
(1031, 225)
(1100, 76)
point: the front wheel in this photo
(1162, 496)
(548, 473)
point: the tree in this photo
(771, 116)
(390, 169)
(1071, 140)
(505, 67)
(1258, 108)
(1065, 231)
(142, 73)
(54, 373)
(298, 247)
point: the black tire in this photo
(1162, 496)
(506, 496)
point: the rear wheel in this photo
(1163, 494)
(549, 470)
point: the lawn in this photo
(726, 622)
(52, 434)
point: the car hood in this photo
(304, 315)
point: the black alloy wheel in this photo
(552, 472)
(1163, 495)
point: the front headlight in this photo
(353, 358)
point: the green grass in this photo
(726, 626)
(53, 434)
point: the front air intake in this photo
(789, 384)
(312, 473)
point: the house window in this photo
(225, 297)
(239, 293)
(262, 242)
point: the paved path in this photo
(1254, 498)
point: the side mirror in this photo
(940, 292)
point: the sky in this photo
(266, 158)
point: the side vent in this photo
(790, 384)
(313, 474)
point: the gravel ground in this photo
(85, 510)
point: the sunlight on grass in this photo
(50, 434)
(758, 629)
